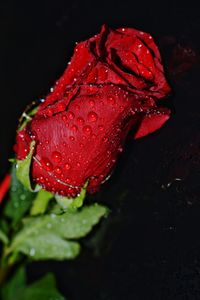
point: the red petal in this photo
(152, 122)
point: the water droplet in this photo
(67, 166)
(49, 112)
(81, 145)
(74, 128)
(56, 156)
(92, 116)
(78, 164)
(72, 138)
(64, 118)
(32, 252)
(22, 197)
(41, 179)
(71, 115)
(80, 120)
(58, 170)
(91, 103)
(101, 127)
(111, 100)
(87, 129)
(46, 164)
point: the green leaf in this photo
(43, 289)
(49, 231)
(48, 246)
(40, 203)
(3, 237)
(14, 288)
(20, 199)
(66, 203)
(4, 226)
(23, 168)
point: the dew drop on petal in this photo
(46, 164)
(58, 170)
(72, 138)
(64, 118)
(111, 100)
(87, 129)
(91, 103)
(56, 156)
(80, 120)
(67, 166)
(92, 116)
(41, 179)
(101, 127)
(71, 115)
(49, 112)
(74, 128)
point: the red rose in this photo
(112, 84)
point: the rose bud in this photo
(112, 84)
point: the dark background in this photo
(149, 247)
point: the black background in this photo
(149, 247)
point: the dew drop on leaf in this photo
(32, 252)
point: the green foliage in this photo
(3, 237)
(13, 288)
(48, 246)
(44, 237)
(41, 202)
(66, 203)
(42, 289)
(20, 199)
(23, 168)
